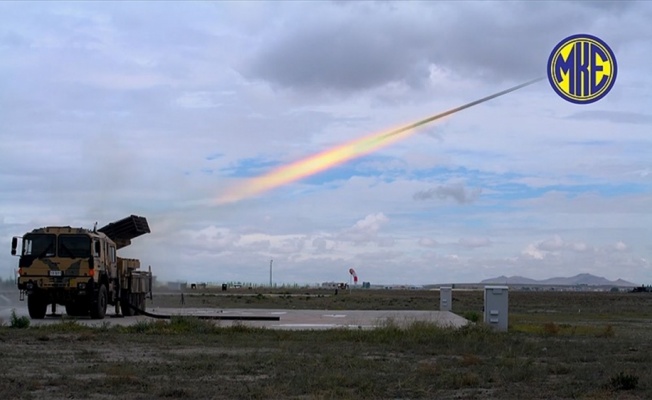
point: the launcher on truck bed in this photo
(121, 232)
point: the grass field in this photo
(560, 345)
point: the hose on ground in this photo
(210, 317)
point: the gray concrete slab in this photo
(288, 319)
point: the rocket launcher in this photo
(122, 231)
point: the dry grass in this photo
(551, 352)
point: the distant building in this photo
(334, 285)
(177, 285)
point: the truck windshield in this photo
(74, 246)
(39, 245)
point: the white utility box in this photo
(445, 298)
(496, 304)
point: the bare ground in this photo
(552, 351)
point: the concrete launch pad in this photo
(288, 319)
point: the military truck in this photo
(79, 269)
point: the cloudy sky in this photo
(158, 109)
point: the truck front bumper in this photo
(57, 288)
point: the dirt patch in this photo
(420, 361)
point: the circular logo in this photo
(582, 69)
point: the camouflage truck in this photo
(79, 268)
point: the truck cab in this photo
(80, 269)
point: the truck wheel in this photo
(70, 310)
(98, 309)
(37, 306)
(76, 309)
(142, 303)
(127, 311)
(135, 300)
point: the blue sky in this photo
(116, 108)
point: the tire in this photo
(98, 308)
(137, 300)
(37, 306)
(142, 303)
(70, 310)
(127, 311)
(76, 310)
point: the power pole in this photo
(270, 272)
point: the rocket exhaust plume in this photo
(330, 158)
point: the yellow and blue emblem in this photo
(582, 69)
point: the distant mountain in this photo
(580, 279)
(513, 280)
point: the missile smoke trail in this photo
(340, 154)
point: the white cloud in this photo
(110, 109)
(370, 224)
(553, 244)
(533, 251)
(473, 242)
(211, 238)
(458, 192)
(324, 245)
(198, 100)
(428, 242)
(366, 230)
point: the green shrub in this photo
(551, 329)
(105, 326)
(138, 327)
(176, 325)
(477, 332)
(237, 327)
(472, 316)
(19, 322)
(187, 324)
(623, 381)
(175, 393)
(66, 326)
(607, 332)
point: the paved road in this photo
(288, 319)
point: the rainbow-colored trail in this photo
(340, 154)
